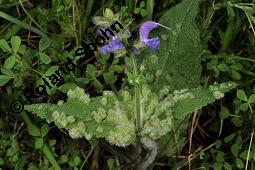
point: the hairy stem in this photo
(137, 94)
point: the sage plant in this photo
(158, 93)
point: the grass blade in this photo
(149, 8)
(21, 24)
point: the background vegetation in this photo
(219, 136)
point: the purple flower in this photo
(113, 46)
(144, 31)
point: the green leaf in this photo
(82, 80)
(227, 166)
(62, 159)
(5, 46)
(229, 138)
(239, 163)
(117, 68)
(91, 71)
(77, 160)
(4, 79)
(51, 70)
(44, 58)
(220, 157)
(7, 72)
(110, 164)
(216, 71)
(224, 113)
(115, 61)
(108, 13)
(235, 75)
(235, 148)
(178, 66)
(22, 49)
(142, 4)
(244, 155)
(44, 43)
(137, 10)
(44, 130)
(15, 42)
(241, 95)
(99, 20)
(10, 62)
(252, 99)
(67, 86)
(223, 67)
(237, 121)
(52, 142)
(244, 107)
(217, 166)
(89, 117)
(39, 143)
(98, 86)
(34, 131)
(110, 78)
(144, 12)
(237, 66)
(104, 58)
(218, 144)
(201, 97)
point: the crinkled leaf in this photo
(201, 97)
(100, 117)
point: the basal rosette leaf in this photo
(160, 111)
(202, 97)
(100, 117)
